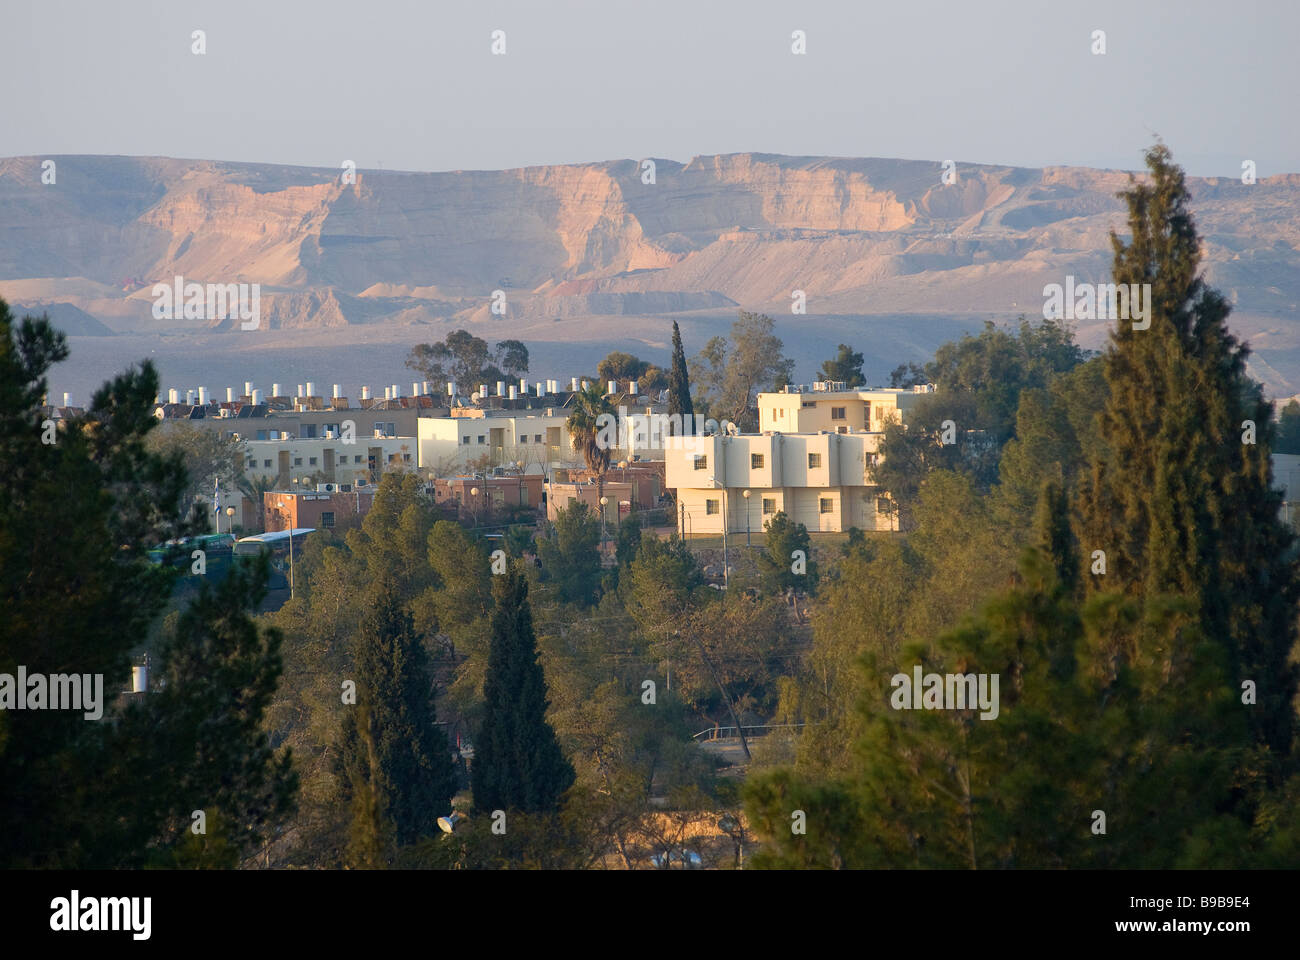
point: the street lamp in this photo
(622, 465)
(230, 520)
(746, 496)
(726, 510)
(604, 502)
(473, 493)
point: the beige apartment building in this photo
(810, 461)
(819, 480)
(829, 406)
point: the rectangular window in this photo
(311, 461)
(710, 506)
(756, 461)
(266, 464)
(837, 413)
(882, 505)
(523, 438)
(309, 431)
(814, 461)
(537, 438)
(406, 457)
(357, 458)
(808, 403)
(826, 504)
(464, 441)
(252, 462)
(261, 434)
(842, 430)
(481, 438)
(702, 463)
(769, 505)
(327, 518)
(297, 461)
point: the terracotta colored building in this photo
(318, 510)
(512, 490)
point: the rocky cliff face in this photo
(860, 237)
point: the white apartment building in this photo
(456, 444)
(818, 479)
(363, 461)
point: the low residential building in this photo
(817, 479)
(490, 493)
(644, 479)
(618, 496)
(319, 509)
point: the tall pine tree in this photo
(679, 383)
(518, 764)
(402, 757)
(1180, 494)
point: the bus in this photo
(278, 545)
(217, 547)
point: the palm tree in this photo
(253, 488)
(585, 427)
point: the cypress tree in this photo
(517, 760)
(402, 752)
(679, 383)
(1179, 494)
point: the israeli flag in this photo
(216, 494)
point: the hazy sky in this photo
(415, 86)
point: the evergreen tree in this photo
(776, 562)
(401, 756)
(518, 764)
(846, 366)
(1180, 494)
(77, 517)
(679, 383)
(571, 559)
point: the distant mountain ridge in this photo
(584, 242)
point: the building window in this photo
(882, 505)
(297, 461)
(261, 434)
(327, 518)
(332, 428)
(537, 438)
(837, 413)
(756, 461)
(464, 441)
(710, 506)
(252, 462)
(266, 464)
(702, 463)
(406, 457)
(826, 505)
(523, 438)
(814, 461)
(782, 414)
(843, 430)
(481, 438)
(309, 431)
(311, 461)
(769, 505)
(808, 403)
(357, 458)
